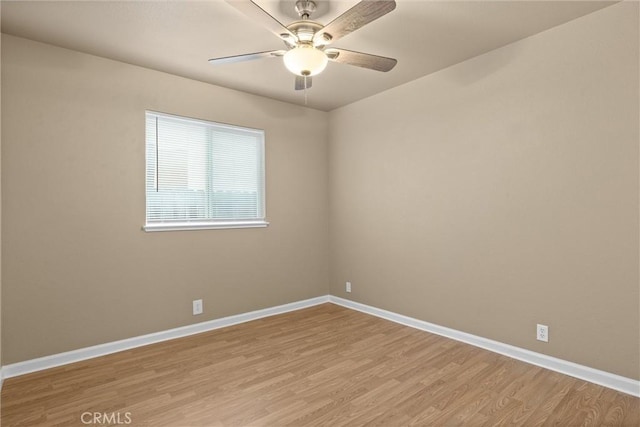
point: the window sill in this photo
(186, 226)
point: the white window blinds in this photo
(202, 174)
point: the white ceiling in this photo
(179, 36)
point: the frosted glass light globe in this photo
(305, 60)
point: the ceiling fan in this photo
(307, 42)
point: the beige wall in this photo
(78, 270)
(0, 203)
(502, 192)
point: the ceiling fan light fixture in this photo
(305, 60)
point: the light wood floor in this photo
(322, 366)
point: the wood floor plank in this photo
(321, 366)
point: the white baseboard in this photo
(54, 360)
(606, 379)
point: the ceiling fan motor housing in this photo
(304, 30)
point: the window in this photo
(202, 174)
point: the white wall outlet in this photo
(197, 306)
(542, 333)
(348, 286)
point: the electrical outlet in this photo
(197, 307)
(542, 333)
(348, 287)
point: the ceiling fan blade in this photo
(258, 14)
(301, 82)
(359, 59)
(247, 57)
(357, 17)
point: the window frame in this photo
(208, 224)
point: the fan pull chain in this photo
(305, 89)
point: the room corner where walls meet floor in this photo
(606, 379)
